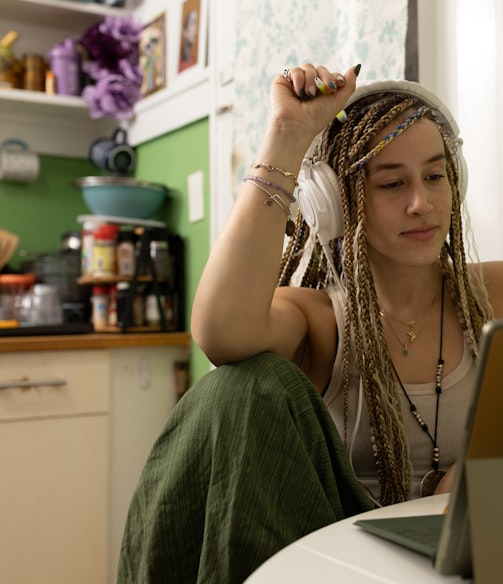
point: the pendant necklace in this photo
(411, 333)
(433, 477)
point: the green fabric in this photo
(249, 461)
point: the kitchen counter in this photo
(93, 341)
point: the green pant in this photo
(249, 461)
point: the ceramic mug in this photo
(113, 153)
(17, 162)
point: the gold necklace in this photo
(410, 333)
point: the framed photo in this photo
(153, 55)
(193, 33)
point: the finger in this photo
(303, 80)
(328, 82)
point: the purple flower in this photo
(126, 31)
(112, 63)
(113, 96)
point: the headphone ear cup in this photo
(319, 199)
(462, 174)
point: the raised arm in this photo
(237, 312)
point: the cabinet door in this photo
(53, 501)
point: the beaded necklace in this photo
(433, 477)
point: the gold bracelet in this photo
(272, 168)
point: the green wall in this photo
(40, 212)
(169, 160)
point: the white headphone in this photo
(318, 192)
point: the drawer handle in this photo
(26, 383)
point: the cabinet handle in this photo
(26, 383)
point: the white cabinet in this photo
(71, 454)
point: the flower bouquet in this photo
(111, 62)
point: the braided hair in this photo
(342, 147)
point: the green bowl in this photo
(121, 196)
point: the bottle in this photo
(99, 300)
(125, 253)
(87, 237)
(123, 290)
(152, 316)
(64, 61)
(112, 306)
(159, 255)
(104, 250)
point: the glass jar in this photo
(13, 289)
(34, 72)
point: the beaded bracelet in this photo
(272, 168)
(264, 181)
(275, 198)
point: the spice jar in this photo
(125, 253)
(104, 250)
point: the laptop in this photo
(466, 541)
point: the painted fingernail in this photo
(341, 79)
(320, 85)
(332, 84)
(357, 69)
(342, 116)
(302, 94)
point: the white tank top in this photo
(457, 389)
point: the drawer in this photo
(64, 383)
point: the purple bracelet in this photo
(264, 181)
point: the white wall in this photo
(461, 61)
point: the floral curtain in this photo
(273, 35)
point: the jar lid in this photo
(106, 231)
(26, 280)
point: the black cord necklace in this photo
(433, 477)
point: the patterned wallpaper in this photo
(272, 35)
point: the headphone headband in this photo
(410, 88)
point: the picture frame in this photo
(153, 56)
(192, 37)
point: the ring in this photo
(286, 74)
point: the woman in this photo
(384, 325)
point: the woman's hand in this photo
(307, 98)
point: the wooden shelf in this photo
(110, 280)
(60, 13)
(131, 329)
